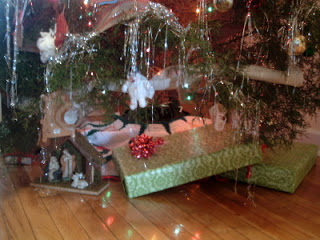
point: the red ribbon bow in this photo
(142, 146)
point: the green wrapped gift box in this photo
(184, 157)
(282, 169)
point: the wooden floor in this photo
(207, 209)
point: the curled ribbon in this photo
(142, 146)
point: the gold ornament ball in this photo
(298, 45)
(222, 5)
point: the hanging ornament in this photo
(253, 4)
(218, 115)
(297, 45)
(139, 89)
(19, 26)
(222, 5)
(46, 45)
(61, 30)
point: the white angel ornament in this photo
(139, 89)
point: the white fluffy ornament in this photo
(46, 45)
(139, 89)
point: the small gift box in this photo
(282, 169)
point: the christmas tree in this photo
(256, 58)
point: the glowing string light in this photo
(110, 221)
(189, 98)
(108, 194)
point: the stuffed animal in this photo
(46, 45)
(139, 89)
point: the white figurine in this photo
(218, 116)
(46, 45)
(139, 89)
(77, 183)
(53, 167)
(68, 164)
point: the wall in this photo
(313, 133)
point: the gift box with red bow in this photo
(183, 157)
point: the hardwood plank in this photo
(61, 215)
(85, 215)
(3, 228)
(268, 208)
(309, 191)
(252, 211)
(301, 201)
(282, 221)
(295, 197)
(201, 210)
(301, 210)
(140, 223)
(116, 223)
(59, 211)
(186, 220)
(207, 213)
(295, 214)
(310, 183)
(38, 215)
(34, 171)
(86, 223)
(15, 220)
(164, 222)
(226, 214)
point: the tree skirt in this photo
(106, 137)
